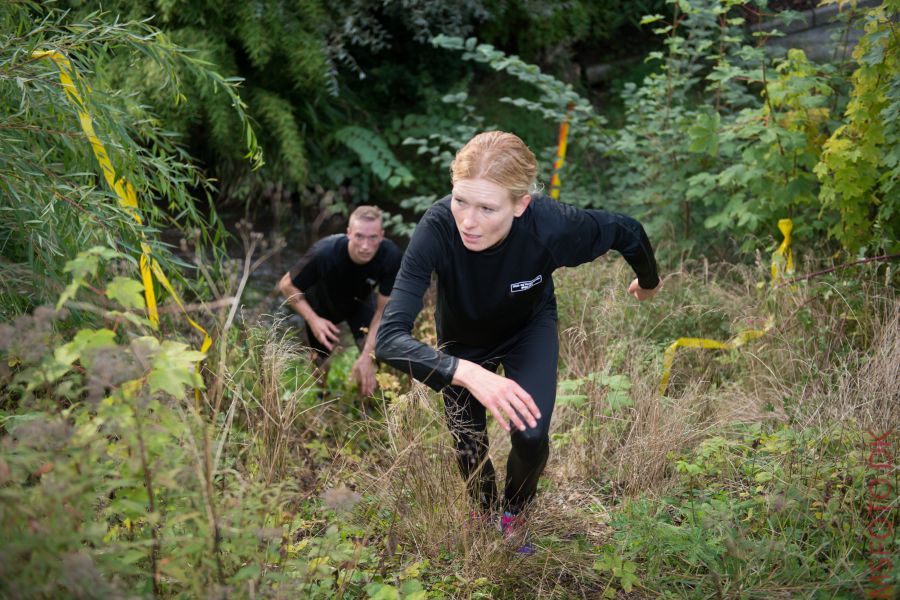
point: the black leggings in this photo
(530, 359)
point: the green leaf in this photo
(130, 317)
(245, 573)
(84, 265)
(381, 591)
(575, 400)
(85, 339)
(174, 366)
(762, 477)
(704, 134)
(651, 19)
(127, 292)
(412, 590)
(618, 400)
(628, 578)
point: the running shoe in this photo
(513, 528)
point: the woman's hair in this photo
(499, 157)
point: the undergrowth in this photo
(747, 479)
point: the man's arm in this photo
(324, 330)
(364, 367)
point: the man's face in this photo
(484, 212)
(365, 237)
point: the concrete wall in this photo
(813, 34)
(820, 34)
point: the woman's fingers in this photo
(528, 401)
(504, 423)
(523, 409)
(504, 398)
(508, 408)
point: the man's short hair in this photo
(366, 213)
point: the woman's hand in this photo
(325, 331)
(640, 293)
(501, 396)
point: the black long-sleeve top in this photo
(485, 297)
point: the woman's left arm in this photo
(585, 234)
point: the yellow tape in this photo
(782, 264)
(783, 259)
(555, 182)
(123, 190)
(735, 342)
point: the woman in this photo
(494, 247)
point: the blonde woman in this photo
(494, 246)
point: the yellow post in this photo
(560, 153)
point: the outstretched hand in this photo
(640, 293)
(325, 331)
(503, 397)
(364, 372)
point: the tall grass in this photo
(748, 475)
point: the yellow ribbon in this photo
(783, 259)
(782, 262)
(123, 190)
(735, 342)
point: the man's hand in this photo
(325, 331)
(640, 293)
(503, 397)
(364, 372)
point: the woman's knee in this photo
(532, 441)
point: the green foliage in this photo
(623, 570)
(277, 117)
(552, 99)
(726, 150)
(615, 386)
(279, 53)
(53, 200)
(113, 480)
(762, 507)
(860, 163)
(552, 31)
(374, 153)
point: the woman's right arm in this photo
(395, 344)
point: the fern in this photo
(279, 125)
(375, 154)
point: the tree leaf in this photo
(127, 292)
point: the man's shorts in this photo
(359, 326)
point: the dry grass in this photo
(816, 368)
(845, 368)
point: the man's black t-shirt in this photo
(334, 285)
(485, 297)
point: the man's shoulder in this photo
(389, 250)
(390, 245)
(330, 244)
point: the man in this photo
(335, 281)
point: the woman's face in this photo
(484, 212)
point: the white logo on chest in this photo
(521, 286)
